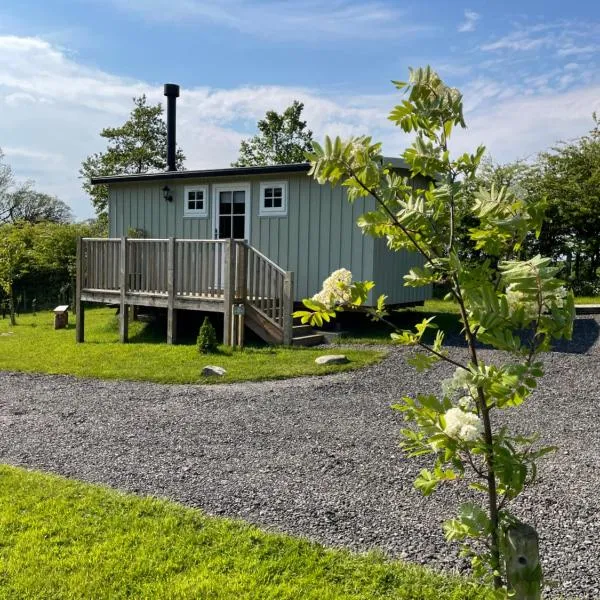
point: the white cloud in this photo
(572, 50)
(564, 38)
(29, 154)
(53, 108)
(274, 20)
(518, 41)
(521, 127)
(470, 22)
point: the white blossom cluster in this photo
(460, 385)
(335, 290)
(516, 299)
(461, 425)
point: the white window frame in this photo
(265, 211)
(243, 186)
(195, 213)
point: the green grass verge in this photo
(359, 329)
(587, 300)
(33, 346)
(65, 539)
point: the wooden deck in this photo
(179, 274)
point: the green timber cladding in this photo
(317, 236)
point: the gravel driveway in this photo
(315, 456)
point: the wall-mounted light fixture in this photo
(167, 194)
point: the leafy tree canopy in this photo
(568, 178)
(138, 146)
(282, 139)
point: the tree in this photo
(138, 146)
(283, 139)
(15, 260)
(569, 177)
(23, 203)
(516, 306)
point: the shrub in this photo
(207, 338)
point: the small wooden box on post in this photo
(61, 316)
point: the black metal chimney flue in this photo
(172, 93)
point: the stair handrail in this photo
(265, 258)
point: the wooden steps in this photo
(305, 335)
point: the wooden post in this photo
(241, 278)
(79, 311)
(523, 568)
(228, 290)
(241, 330)
(288, 308)
(123, 309)
(171, 292)
(241, 288)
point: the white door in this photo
(231, 217)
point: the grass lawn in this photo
(64, 539)
(359, 329)
(587, 300)
(34, 346)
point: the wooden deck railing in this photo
(181, 273)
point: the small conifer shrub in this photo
(207, 338)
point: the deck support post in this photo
(171, 292)
(79, 310)
(241, 290)
(123, 308)
(288, 308)
(228, 290)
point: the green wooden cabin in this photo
(247, 242)
(302, 226)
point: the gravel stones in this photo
(318, 456)
(332, 359)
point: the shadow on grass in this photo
(359, 328)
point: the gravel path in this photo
(315, 456)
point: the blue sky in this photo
(528, 71)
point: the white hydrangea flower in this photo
(461, 425)
(459, 383)
(516, 299)
(335, 290)
(466, 403)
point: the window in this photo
(195, 201)
(273, 199)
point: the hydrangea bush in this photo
(336, 289)
(470, 242)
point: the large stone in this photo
(332, 359)
(213, 371)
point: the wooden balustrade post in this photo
(241, 279)
(288, 308)
(171, 291)
(228, 290)
(79, 310)
(123, 308)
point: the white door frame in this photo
(242, 186)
